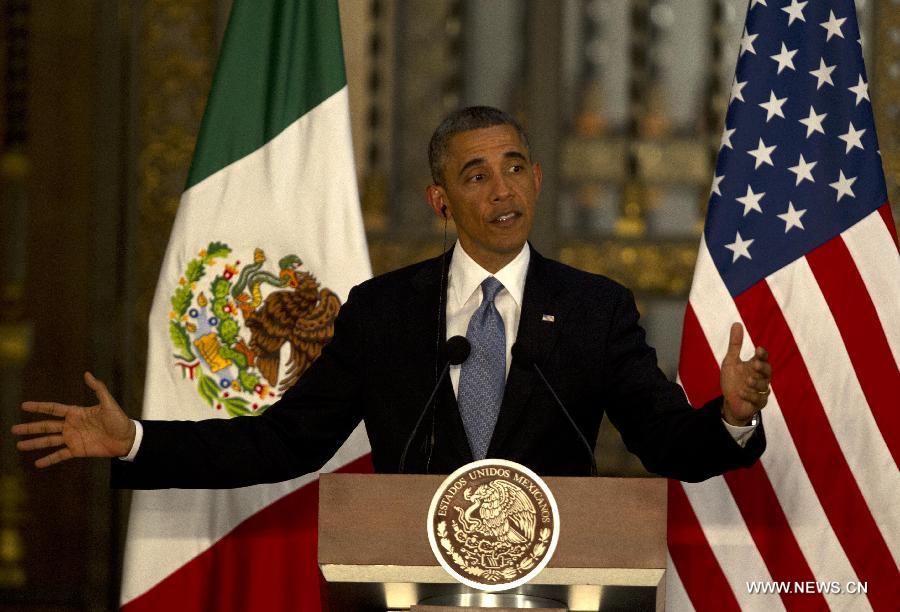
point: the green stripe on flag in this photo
(279, 60)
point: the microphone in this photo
(456, 351)
(521, 352)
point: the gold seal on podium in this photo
(493, 524)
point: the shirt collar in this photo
(466, 275)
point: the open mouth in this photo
(506, 217)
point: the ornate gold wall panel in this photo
(595, 160)
(661, 268)
(667, 161)
(16, 326)
(175, 58)
(427, 87)
(391, 253)
(367, 29)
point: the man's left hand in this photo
(745, 384)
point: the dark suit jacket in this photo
(382, 364)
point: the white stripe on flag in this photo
(714, 307)
(876, 257)
(808, 522)
(819, 341)
(728, 537)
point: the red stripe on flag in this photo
(856, 318)
(697, 365)
(266, 563)
(697, 566)
(888, 217)
(818, 448)
(752, 490)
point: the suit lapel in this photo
(448, 423)
(541, 298)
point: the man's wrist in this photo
(132, 428)
(741, 434)
(729, 418)
(136, 441)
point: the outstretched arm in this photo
(101, 430)
(745, 384)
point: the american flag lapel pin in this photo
(548, 318)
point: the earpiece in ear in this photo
(444, 211)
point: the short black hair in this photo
(464, 120)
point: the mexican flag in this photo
(267, 242)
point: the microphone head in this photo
(457, 350)
(522, 353)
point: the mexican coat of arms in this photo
(493, 524)
(230, 321)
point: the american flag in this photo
(800, 247)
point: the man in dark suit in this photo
(580, 330)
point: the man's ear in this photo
(437, 200)
(538, 173)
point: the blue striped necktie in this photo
(482, 377)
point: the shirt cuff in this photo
(740, 433)
(136, 446)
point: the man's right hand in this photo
(102, 430)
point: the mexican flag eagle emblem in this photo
(246, 330)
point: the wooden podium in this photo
(374, 552)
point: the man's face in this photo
(490, 189)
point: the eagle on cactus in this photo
(210, 320)
(302, 315)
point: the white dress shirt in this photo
(464, 297)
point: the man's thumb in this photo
(735, 341)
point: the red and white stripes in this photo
(821, 505)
